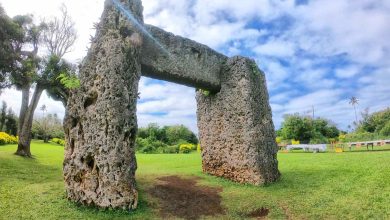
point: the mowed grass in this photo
(350, 185)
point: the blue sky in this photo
(315, 53)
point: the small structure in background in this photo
(315, 148)
(368, 144)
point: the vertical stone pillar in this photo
(100, 122)
(235, 126)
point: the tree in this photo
(385, 131)
(47, 127)
(60, 34)
(306, 129)
(3, 115)
(354, 101)
(375, 122)
(44, 124)
(11, 126)
(156, 139)
(37, 72)
(296, 127)
(10, 36)
(177, 133)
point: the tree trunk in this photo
(24, 106)
(25, 124)
(45, 139)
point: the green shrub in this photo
(318, 138)
(362, 136)
(150, 145)
(7, 139)
(58, 141)
(171, 149)
(385, 131)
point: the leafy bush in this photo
(154, 139)
(47, 128)
(7, 139)
(362, 136)
(198, 148)
(171, 149)
(170, 135)
(319, 140)
(304, 129)
(58, 141)
(186, 148)
(375, 122)
(385, 131)
(342, 138)
(150, 145)
(294, 142)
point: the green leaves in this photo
(303, 128)
(69, 81)
(205, 92)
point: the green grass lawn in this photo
(350, 185)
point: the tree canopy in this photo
(377, 122)
(11, 34)
(306, 129)
(166, 139)
(22, 67)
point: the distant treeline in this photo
(307, 130)
(319, 130)
(373, 126)
(166, 139)
(8, 120)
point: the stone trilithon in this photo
(234, 116)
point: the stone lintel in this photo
(181, 60)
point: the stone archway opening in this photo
(233, 112)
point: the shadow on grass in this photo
(38, 183)
(143, 210)
(26, 170)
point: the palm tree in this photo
(45, 137)
(354, 101)
(43, 109)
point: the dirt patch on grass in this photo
(260, 213)
(183, 198)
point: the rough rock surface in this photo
(181, 60)
(100, 122)
(235, 126)
(234, 120)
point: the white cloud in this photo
(347, 72)
(85, 13)
(358, 28)
(275, 49)
(343, 37)
(13, 99)
(319, 98)
(275, 72)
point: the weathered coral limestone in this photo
(234, 116)
(100, 122)
(235, 126)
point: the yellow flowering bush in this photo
(198, 148)
(294, 142)
(58, 141)
(186, 148)
(7, 139)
